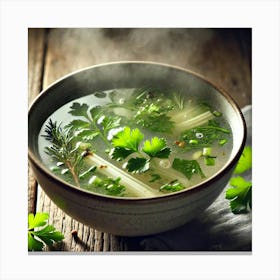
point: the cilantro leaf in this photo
(137, 165)
(240, 195)
(187, 167)
(174, 186)
(40, 219)
(49, 235)
(156, 148)
(78, 109)
(129, 139)
(45, 235)
(95, 112)
(245, 161)
(78, 124)
(120, 153)
(33, 244)
(109, 122)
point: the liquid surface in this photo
(180, 142)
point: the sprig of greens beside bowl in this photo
(132, 159)
(240, 192)
(40, 233)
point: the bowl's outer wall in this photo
(122, 217)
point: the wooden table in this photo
(221, 55)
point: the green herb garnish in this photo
(127, 142)
(155, 177)
(173, 186)
(187, 167)
(204, 135)
(93, 123)
(41, 234)
(107, 186)
(240, 193)
(245, 161)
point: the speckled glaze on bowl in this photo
(132, 216)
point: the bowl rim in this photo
(170, 196)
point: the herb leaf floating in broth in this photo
(148, 108)
(173, 186)
(95, 123)
(156, 148)
(127, 142)
(188, 167)
(202, 136)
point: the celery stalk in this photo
(193, 122)
(135, 186)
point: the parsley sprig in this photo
(240, 192)
(40, 233)
(93, 122)
(127, 142)
(149, 107)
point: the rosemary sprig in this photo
(63, 148)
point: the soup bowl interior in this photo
(132, 216)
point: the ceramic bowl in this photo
(131, 216)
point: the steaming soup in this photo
(141, 142)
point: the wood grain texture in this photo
(36, 47)
(223, 56)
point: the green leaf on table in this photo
(240, 195)
(187, 167)
(156, 148)
(41, 234)
(33, 244)
(40, 219)
(245, 161)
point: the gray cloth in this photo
(216, 229)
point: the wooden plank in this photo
(215, 54)
(36, 44)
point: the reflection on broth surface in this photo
(141, 142)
